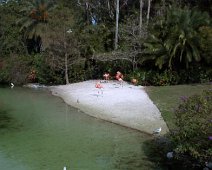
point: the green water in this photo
(40, 132)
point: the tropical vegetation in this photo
(80, 40)
(192, 137)
(187, 112)
(159, 43)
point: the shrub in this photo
(139, 75)
(167, 77)
(15, 69)
(194, 128)
(195, 74)
(45, 71)
(77, 73)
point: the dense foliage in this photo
(192, 138)
(177, 38)
(159, 42)
(188, 145)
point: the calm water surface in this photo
(40, 132)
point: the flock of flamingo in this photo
(119, 77)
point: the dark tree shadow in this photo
(7, 122)
(5, 119)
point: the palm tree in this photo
(183, 41)
(36, 15)
(154, 49)
(178, 37)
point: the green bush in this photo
(77, 73)
(195, 74)
(139, 75)
(194, 127)
(15, 69)
(46, 71)
(164, 78)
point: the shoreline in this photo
(129, 106)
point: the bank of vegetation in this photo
(56, 42)
(187, 110)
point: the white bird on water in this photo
(12, 85)
(156, 131)
(64, 168)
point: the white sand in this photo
(129, 105)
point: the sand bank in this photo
(128, 106)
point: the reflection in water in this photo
(50, 135)
(4, 119)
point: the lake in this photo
(39, 131)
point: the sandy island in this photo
(128, 106)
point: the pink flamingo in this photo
(120, 77)
(99, 86)
(106, 77)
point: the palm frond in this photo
(188, 54)
(160, 62)
(27, 24)
(195, 52)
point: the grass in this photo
(167, 98)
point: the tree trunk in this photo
(66, 68)
(109, 9)
(141, 16)
(66, 55)
(148, 11)
(117, 24)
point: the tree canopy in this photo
(149, 35)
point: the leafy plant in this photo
(10, 38)
(206, 43)
(194, 127)
(15, 69)
(138, 75)
(175, 39)
(164, 78)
